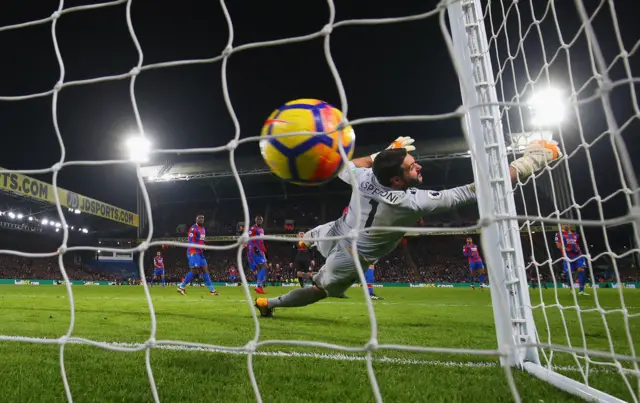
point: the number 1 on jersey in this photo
(372, 213)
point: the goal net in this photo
(523, 76)
(528, 73)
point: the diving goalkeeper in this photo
(388, 198)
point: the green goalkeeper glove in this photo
(400, 142)
(536, 155)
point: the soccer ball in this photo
(306, 159)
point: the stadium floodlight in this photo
(547, 107)
(138, 148)
(57, 229)
(30, 218)
(20, 216)
(52, 223)
(84, 230)
(11, 215)
(76, 211)
(58, 225)
(45, 221)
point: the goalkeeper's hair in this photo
(388, 164)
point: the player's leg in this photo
(566, 266)
(153, 279)
(472, 275)
(333, 279)
(262, 279)
(162, 278)
(194, 264)
(370, 278)
(206, 277)
(582, 274)
(480, 272)
(300, 278)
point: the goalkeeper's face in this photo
(412, 176)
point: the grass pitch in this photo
(434, 317)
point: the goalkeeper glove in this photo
(400, 142)
(536, 156)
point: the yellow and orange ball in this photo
(306, 159)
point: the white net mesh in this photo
(513, 84)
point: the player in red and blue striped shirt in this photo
(472, 252)
(573, 260)
(256, 255)
(197, 262)
(158, 268)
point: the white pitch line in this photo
(327, 356)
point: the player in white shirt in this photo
(388, 198)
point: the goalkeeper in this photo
(388, 198)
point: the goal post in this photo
(492, 137)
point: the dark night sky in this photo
(396, 69)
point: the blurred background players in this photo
(256, 254)
(370, 277)
(302, 260)
(233, 274)
(197, 262)
(158, 268)
(476, 267)
(568, 243)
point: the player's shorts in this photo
(302, 263)
(232, 278)
(158, 272)
(263, 274)
(253, 266)
(259, 259)
(579, 262)
(324, 247)
(476, 266)
(197, 260)
(339, 272)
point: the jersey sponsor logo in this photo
(434, 195)
(389, 195)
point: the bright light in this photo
(58, 225)
(30, 218)
(138, 149)
(11, 215)
(98, 250)
(57, 229)
(20, 216)
(45, 221)
(76, 211)
(547, 107)
(72, 227)
(84, 230)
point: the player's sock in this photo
(207, 281)
(581, 279)
(481, 279)
(187, 279)
(298, 297)
(301, 281)
(163, 281)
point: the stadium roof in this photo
(218, 166)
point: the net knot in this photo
(62, 249)
(56, 167)
(150, 343)
(342, 125)
(243, 239)
(135, 71)
(485, 221)
(327, 29)
(144, 245)
(371, 346)
(55, 15)
(227, 51)
(58, 86)
(232, 145)
(63, 339)
(250, 347)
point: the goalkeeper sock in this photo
(581, 278)
(207, 281)
(298, 297)
(301, 281)
(163, 281)
(187, 279)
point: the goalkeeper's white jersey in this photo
(384, 207)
